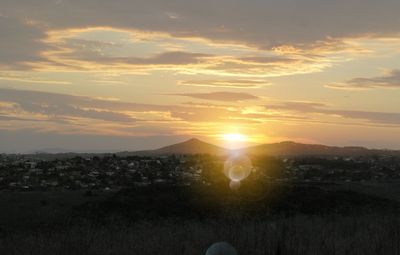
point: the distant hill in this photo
(192, 146)
(299, 149)
(196, 146)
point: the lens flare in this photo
(234, 185)
(221, 248)
(237, 168)
(238, 173)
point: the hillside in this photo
(299, 149)
(196, 146)
(192, 146)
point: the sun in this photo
(234, 137)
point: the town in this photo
(113, 172)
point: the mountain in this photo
(50, 151)
(299, 149)
(192, 146)
(196, 146)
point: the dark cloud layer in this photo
(58, 105)
(391, 118)
(390, 80)
(259, 23)
(63, 106)
(19, 43)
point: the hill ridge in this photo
(284, 148)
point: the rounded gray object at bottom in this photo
(221, 248)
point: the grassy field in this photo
(32, 210)
(327, 235)
(389, 190)
(283, 219)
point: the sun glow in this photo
(234, 137)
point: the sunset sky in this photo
(90, 75)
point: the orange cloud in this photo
(225, 83)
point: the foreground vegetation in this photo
(260, 218)
(329, 234)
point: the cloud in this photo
(261, 23)
(75, 111)
(22, 77)
(55, 114)
(125, 51)
(162, 59)
(98, 114)
(10, 118)
(30, 140)
(20, 43)
(222, 44)
(388, 118)
(278, 38)
(145, 52)
(390, 80)
(220, 96)
(262, 67)
(56, 106)
(225, 83)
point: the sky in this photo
(98, 75)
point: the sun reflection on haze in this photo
(234, 137)
(234, 141)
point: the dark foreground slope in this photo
(160, 219)
(365, 234)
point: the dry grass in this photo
(308, 235)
